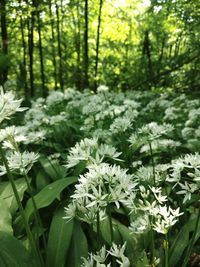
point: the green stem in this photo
(192, 241)
(36, 213)
(152, 248)
(110, 224)
(166, 247)
(98, 230)
(153, 164)
(111, 231)
(23, 215)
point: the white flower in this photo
(165, 219)
(8, 105)
(21, 162)
(118, 252)
(187, 190)
(102, 89)
(101, 186)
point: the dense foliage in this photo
(122, 43)
(113, 180)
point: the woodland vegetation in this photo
(55, 44)
(99, 133)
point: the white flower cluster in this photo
(10, 137)
(101, 186)
(188, 183)
(99, 259)
(8, 105)
(90, 151)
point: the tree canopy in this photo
(125, 44)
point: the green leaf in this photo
(59, 240)
(131, 242)
(48, 194)
(6, 193)
(5, 218)
(78, 247)
(182, 241)
(42, 180)
(53, 169)
(105, 232)
(13, 253)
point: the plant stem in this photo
(152, 248)
(98, 230)
(153, 163)
(111, 231)
(36, 213)
(36, 251)
(166, 247)
(110, 224)
(192, 241)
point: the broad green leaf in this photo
(78, 247)
(48, 194)
(5, 218)
(42, 180)
(131, 242)
(13, 253)
(53, 169)
(59, 240)
(105, 232)
(182, 241)
(142, 260)
(6, 193)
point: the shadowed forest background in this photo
(125, 44)
(103, 167)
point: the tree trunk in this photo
(85, 56)
(59, 48)
(53, 46)
(4, 38)
(44, 91)
(24, 72)
(31, 22)
(97, 45)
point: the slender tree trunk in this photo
(31, 22)
(4, 38)
(77, 41)
(86, 57)
(59, 49)
(147, 52)
(97, 45)
(42, 71)
(53, 46)
(26, 92)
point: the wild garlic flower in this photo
(165, 219)
(120, 125)
(149, 133)
(102, 89)
(10, 137)
(101, 186)
(186, 175)
(118, 251)
(90, 151)
(21, 162)
(162, 144)
(140, 224)
(99, 259)
(187, 189)
(8, 105)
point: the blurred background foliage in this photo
(125, 44)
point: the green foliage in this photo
(78, 246)
(59, 239)
(48, 194)
(7, 195)
(13, 253)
